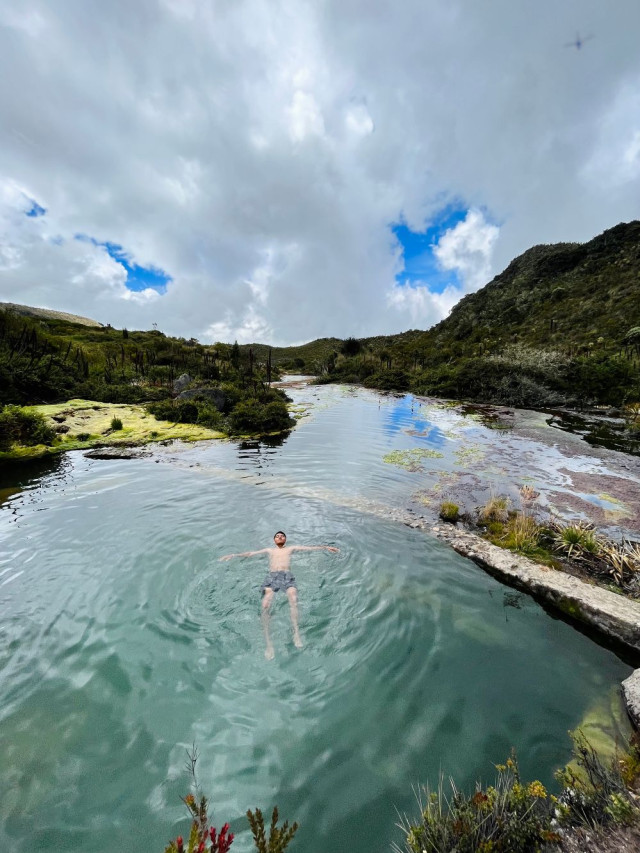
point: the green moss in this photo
(570, 607)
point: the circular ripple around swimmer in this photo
(218, 609)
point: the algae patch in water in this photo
(469, 455)
(410, 459)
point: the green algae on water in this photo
(410, 459)
(469, 455)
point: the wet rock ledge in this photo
(612, 615)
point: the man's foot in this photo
(269, 653)
(297, 642)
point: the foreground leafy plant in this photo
(507, 816)
(278, 838)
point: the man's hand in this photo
(227, 557)
(332, 549)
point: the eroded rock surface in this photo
(631, 693)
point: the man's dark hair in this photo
(279, 531)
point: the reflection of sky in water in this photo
(406, 411)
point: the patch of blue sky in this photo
(420, 263)
(35, 209)
(138, 277)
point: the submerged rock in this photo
(116, 453)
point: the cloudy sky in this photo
(281, 170)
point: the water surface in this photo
(124, 640)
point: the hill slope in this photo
(560, 325)
(47, 314)
(564, 295)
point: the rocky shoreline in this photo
(614, 616)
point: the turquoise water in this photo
(124, 640)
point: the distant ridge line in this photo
(48, 313)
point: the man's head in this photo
(280, 538)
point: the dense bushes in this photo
(252, 416)
(241, 414)
(200, 412)
(23, 427)
(515, 376)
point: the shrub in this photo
(21, 426)
(388, 380)
(83, 436)
(596, 795)
(279, 838)
(116, 424)
(508, 816)
(449, 512)
(252, 416)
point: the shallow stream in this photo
(124, 640)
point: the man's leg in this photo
(292, 595)
(267, 596)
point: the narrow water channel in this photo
(124, 640)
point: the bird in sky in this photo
(578, 42)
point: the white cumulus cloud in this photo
(258, 151)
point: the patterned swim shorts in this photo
(278, 581)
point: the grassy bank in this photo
(83, 424)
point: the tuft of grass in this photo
(116, 424)
(528, 495)
(496, 509)
(522, 534)
(449, 512)
(622, 559)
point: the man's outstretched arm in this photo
(245, 554)
(314, 548)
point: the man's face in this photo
(280, 539)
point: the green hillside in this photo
(567, 295)
(560, 326)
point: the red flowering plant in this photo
(206, 839)
(202, 838)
